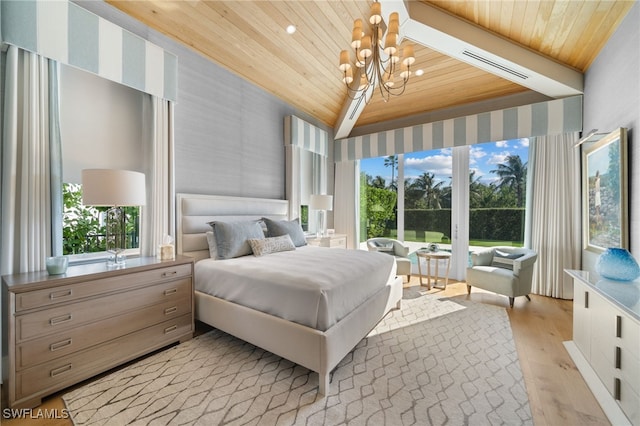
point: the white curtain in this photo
(158, 220)
(26, 200)
(346, 203)
(553, 213)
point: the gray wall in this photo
(612, 100)
(229, 133)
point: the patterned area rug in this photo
(437, 361)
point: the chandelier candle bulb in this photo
(390, 44)
(348, 76)
(345, 62)
(365, 50)
(409, 57)
(376, 13)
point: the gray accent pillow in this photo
(232, 237)
(263, 246)
(384, 246)
(508, 255)
(277, 228)
(211, 240)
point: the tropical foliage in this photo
(83, 231)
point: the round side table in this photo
(437, 256)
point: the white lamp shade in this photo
(321, 202)
(107, 187)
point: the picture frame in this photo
(604, 193)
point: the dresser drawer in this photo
(58, 319)
(61, 344)
(58, 374)
(71, 292)
(629, 401)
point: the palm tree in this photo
(379, 182)
(431, 191)
(513, 175)
(392, 161)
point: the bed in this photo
(318, 346)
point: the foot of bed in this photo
(323, 384)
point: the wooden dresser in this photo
(60, 330)
(606, 343)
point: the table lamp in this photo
(322, 203)
(115, 189)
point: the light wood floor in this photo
(557, 393)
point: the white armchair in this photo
(396, 249)
(503, 270)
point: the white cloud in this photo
(440, 165)
(498, 158)
(502, 144)
(524, 142)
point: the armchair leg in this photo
(528, 298)
(511, 299)
(468, 289)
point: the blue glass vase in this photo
(618, 264)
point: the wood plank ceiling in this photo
(249, 38)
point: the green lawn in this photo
(436, 237)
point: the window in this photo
(378, 197)
(101, 126)
(427, 196)
(497, 192)
(435, 204)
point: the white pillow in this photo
(262, 246)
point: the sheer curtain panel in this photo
(157, 215)
(346, 204)
(554, 213)
(29, 143)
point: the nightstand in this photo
(330, 241)
(61, 329)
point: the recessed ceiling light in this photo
(291, 29)
(419, 73)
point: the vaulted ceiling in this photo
(470, 51)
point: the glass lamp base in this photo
(117, 259)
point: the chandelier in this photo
(375, 64)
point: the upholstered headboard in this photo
(195, 211)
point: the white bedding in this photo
(312, 286)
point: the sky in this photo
(483, 158)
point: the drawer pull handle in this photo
(59, 345)
(618, 326)
(57, 371)
(60, 319)
(59, 294)
(616, 389)
(170, 310)
(168, 274)
(618, 357)
(586, 300)
(170, 291)
(170, 329)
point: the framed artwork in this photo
(604, 193)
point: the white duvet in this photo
(312, 286)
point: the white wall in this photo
(612, 100)
(100, 124)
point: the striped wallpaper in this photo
(544, 118)
(305, 135)
(69, 34)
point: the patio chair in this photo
(396, 249)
